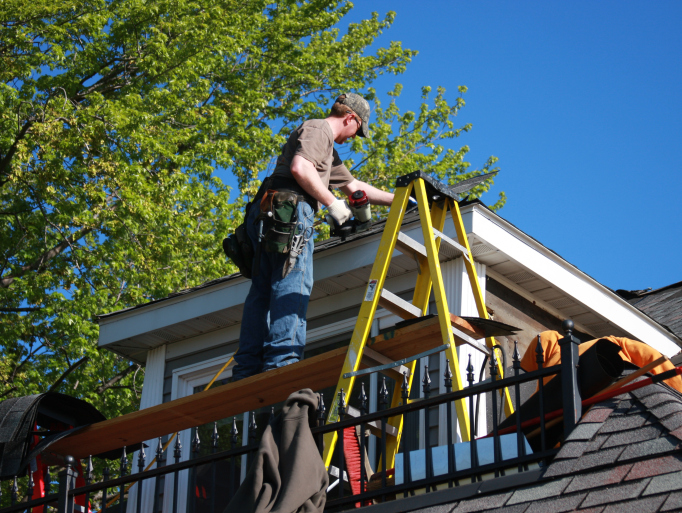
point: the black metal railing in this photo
(110, 494)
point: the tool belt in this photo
(278, 199)
(278, 219)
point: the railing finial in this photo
(426, 382)
(363, 399)
(447, 376)
(383, 393)
(470, 372)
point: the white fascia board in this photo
(495, 231)
(172, 311)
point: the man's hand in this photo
(339, 211)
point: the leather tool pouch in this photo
(238, 248)
(278, 211)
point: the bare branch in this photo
(67, 372)
(102, 388)
(17, 310)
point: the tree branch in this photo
(102, 388)
(40, 262)
(67, 372)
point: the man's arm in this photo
(305, 174)
(376, 196)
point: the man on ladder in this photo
(281, 216)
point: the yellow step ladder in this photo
(434, 199)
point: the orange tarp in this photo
(631, 351)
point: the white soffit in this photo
(562, 285)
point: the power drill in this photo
(362, 217)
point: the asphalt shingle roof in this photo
(664, 305)
(624, 455)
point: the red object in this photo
(353, 458)
(41, 472)
(358, 199)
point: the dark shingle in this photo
(571, 450)
(646, 391)
(519, 508)
(598, 459)
(674, 502)
(633, 436)
(655, 467)
(616, 493)
(596, 479)
(673, 422)
(539, 491)
(597, 415)
(443, 508)
(666, 409)
(596, 443)
(560, 505)
(561, 468)
(623, 407)
(664, 483)
(482, 503)
(648, 505)
(584, 431)
(660, 397)
(677, 433)
(614, 424)
(649, 448)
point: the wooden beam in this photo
(466, 327)
(264, 389)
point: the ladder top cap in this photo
(436, 190)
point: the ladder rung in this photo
(375, 359)
(375, 425)
(410, 247)
(453, 243)
(463, 338)
(398, 305)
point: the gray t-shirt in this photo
(314, 141)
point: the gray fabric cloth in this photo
(287, 474)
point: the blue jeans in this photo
(274, 320)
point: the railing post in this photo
(569, 378)
(66, 479)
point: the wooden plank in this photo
(464, 326)
(264, 389)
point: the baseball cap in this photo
(360, 106)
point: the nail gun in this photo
(361, 221)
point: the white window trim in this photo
(184, 380)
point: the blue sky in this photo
(582, 103)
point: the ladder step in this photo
(398, 305)
(374, 359)
(410, 247)
(453, 243)
(463, 338)
(374, 426)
